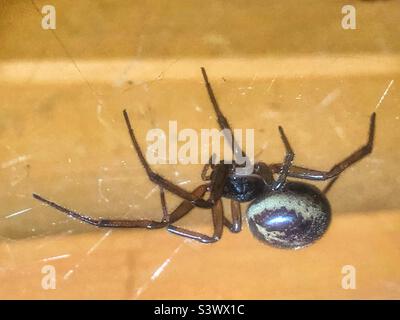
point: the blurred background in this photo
(62, 135)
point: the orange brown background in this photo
(271, 63)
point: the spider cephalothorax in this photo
(282, 213)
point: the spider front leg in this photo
(184, 208)
(336, 170)
(221, 119)
(114, 223)
(159, 180)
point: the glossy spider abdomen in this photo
(243, 188)
(292, 218)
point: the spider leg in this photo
(222, 121)
(264, 171)
(216, 188)
(329, 185)
(218, 180)
(104, 223)
(186, 206)
(208, 165)
(178, 213)
(336, 170)
(236, 225)
(217, 215)
(159, 180)
(164, 206)
(284, 170)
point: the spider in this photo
(284, 214)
